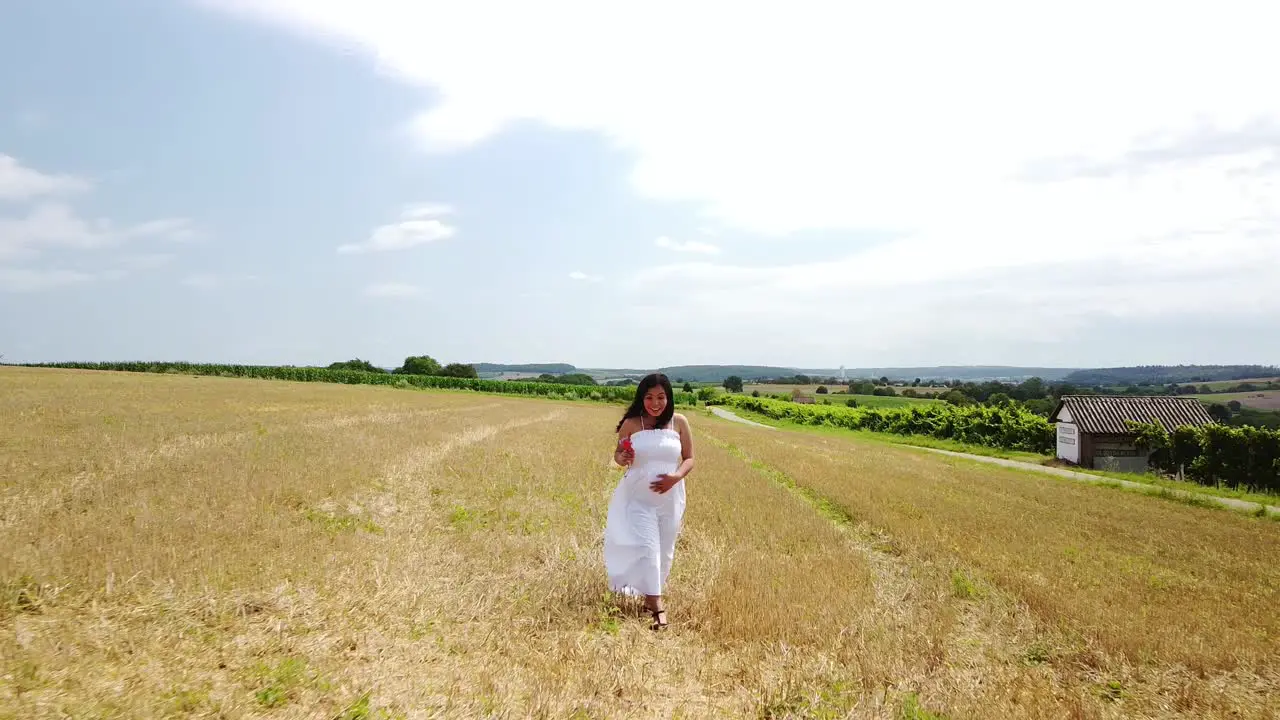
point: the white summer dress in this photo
(641, 529)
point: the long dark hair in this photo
(637, 405)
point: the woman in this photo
(656, 447)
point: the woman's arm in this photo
(686, 447)
(622, 452)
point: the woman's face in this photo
(655, 401)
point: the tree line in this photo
(1158, 375)
(413, 365)
(361, 376)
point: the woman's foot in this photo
(659, 619)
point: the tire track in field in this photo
(387, 417)
(420, 459)
(381, 501)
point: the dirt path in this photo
(727, 415)
(1232, 503)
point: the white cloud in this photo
(860, 113)
(21, 280)
(21, 183)
(418, 226)
(425, 210)
(56, 225)
(393, 290)
(1010, 153)
(688, 246)
(173, 229)
(584, 277)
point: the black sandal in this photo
(659, 619)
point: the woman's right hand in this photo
(623, 454)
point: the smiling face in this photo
(655, 401)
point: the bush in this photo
(1009, 427)
(822, 390)
(1215, 454)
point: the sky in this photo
(811, 185)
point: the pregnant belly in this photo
(640, 477)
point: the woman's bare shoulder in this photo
(678, 421)
(629, 426)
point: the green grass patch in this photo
(824, 506)
(963, 587)
(913, 710)
(919, 441)
(1160, 481)
(362, 709)
(335, 522)
(279, 684)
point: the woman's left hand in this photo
(664, 483)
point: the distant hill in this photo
(976, 373)
(968, 373)
(1151, 374)
(717, 373)
(1168, 374)
(530, 368)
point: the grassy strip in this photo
(825, 507)
(1164, 485)
(1191, 494)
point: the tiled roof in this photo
(1106, 414)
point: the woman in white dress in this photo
(645, 514)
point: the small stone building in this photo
(1092, 429)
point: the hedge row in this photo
(360, 377)
(1008, 427)
(1216, 454)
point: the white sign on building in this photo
(1068, 438)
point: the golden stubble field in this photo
(205, 547)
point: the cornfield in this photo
(360, 377)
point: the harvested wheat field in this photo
(206, 547)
